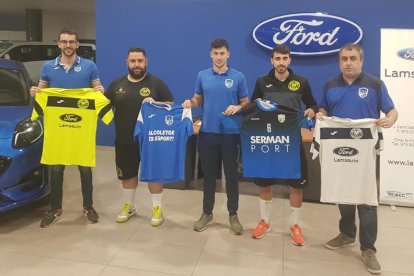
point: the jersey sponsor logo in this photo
(228, 83)
(345, 151)
(145, 92)
(334, 132)
(363, 92)
(70, 118)
(120, 91)
(356, 133)
(119, 172)
(269, 85)
(407, 54)
(83, 103)
(294, 85)
(281, 118)
(77, 68)
(169, 120)
(307, 33)
(60, 101)
(151, 115)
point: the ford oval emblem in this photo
(407, 53)
(307, 33)
(70, 118)
(345, 151)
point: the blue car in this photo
(22, 178)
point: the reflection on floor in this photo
(74, 247)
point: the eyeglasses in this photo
(66, 42)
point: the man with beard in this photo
(68, 71)
(285, 88)
(127, 95)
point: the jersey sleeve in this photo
(198, 85)
(188, 120)
(315, 146)
(386, 103)
(164, 93)
(257, 92)
(242, 91)
(103, 108)
(139, 125)
(94, 73)
(308, 98)
(39, 105)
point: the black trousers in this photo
(215, 149)
(56, 182)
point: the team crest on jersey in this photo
(83, 103)
(145, 92)
(356, 133)
(77, 68)
(294, 85)
(228, 83)
(281, 118)
(120, 91)
(169, 120)
(363, 92)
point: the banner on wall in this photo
(397, 160)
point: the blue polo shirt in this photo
(219, 91)
(80, 75)
(364, 98)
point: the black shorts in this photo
(127, 160)
(295, 183)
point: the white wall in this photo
(83, 23)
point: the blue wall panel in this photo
(177, 35)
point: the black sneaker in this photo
(91, 214)
(50, 217)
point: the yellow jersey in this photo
(70, 122)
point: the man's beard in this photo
(137, 76)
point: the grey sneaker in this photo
(90, 214)
(235, 227)
(50, 218)
(203, 222)
(370, 260)
(340, 241)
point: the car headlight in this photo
(27, 132)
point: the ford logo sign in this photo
(407, 53)
(307, 33)
(70, 118)
(345, 151)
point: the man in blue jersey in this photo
(68, 71)
(357, 95)
(127, 95)
(285, 88)
(218, 90)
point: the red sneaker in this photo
(296, 234)
(261, 229)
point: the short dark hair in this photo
(69, 32)
(137, 50)
(220, 42)
(352, 46)
(281, 49)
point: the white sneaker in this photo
(127, 212)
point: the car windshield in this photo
(4, 46)
(13, 89)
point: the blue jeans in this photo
(213, 150)
(368, 224)
(56, 182)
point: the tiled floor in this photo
(74, 247)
